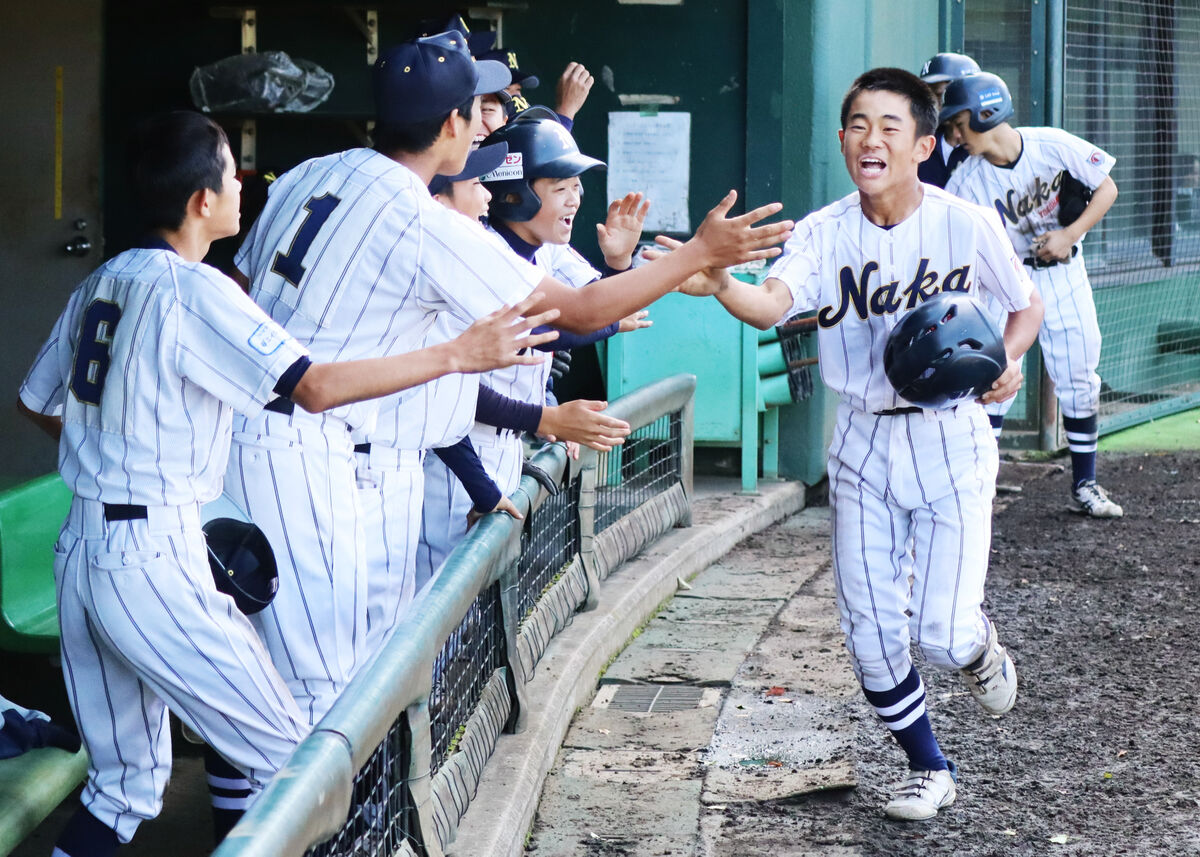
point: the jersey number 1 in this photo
(289, 265)
(92, 356)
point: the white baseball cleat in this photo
(922, 794)
(1093, 501)
(992, 678)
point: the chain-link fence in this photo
(393, 767)
(1129, 76)
(1132, 70)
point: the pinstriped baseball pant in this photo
(296, 481)
(390, 489)
(1069, 338)
(911, 498)
(144, 629)
(444, 515)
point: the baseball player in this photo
(910, 489)
(446, 512)
(534, 197)
(353, 257)
(1020, 174)
(138, 381)
(938, 71)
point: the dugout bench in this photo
(34, 783)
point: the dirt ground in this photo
(1100, 755)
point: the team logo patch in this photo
(512, 168)
(1095, 159)
(267, 338)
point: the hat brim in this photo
(482, 161)
(493, 77)
(937, 78)
(536, 111)
(527, 81)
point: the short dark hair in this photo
(170, 157)
(922, 103)
(417, 136)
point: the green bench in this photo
(31, 515)
(33, 784)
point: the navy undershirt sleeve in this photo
(567, 340)
(291, 376)
(464, 463)
(501, 411)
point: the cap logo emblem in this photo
(512, 168)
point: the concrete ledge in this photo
(503, 809)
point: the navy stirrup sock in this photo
(229, 790)
(1082, 434)
(902, 709)
(86, 836)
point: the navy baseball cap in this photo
(429, 77)
(481, 161)
(527, 79)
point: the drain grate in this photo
(650, 698)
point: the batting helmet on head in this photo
(239, 555)
(984, 94)
(537, 148)
(943, 67)
(944, 351)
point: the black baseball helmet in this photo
(537, 148)
(943, 352)
(984, 94)
(240, 557)
(940, 68)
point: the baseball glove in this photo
(1073, 198)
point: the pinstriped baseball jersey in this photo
(441, 412)
(175, 346)
(528, 383)
(863, 279)
(354, 258)
(1025, 194)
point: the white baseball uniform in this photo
(355, 259)
(444, 517)
(911, 492)
(1025, 197)
(145, 366)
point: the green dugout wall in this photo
(763, 81)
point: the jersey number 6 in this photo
(92, 354)
(288, 265)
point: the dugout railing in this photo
(392, 767)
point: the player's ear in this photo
(200, 203)
(841, 138)
(924, 147)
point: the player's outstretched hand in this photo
(732, 240)
(635, 322)
(702, 284)
(573, 88)
(1007, 385)
(582, 421)
(619, 234)
(504, 338)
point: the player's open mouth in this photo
(568, 220)
(871, 166)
